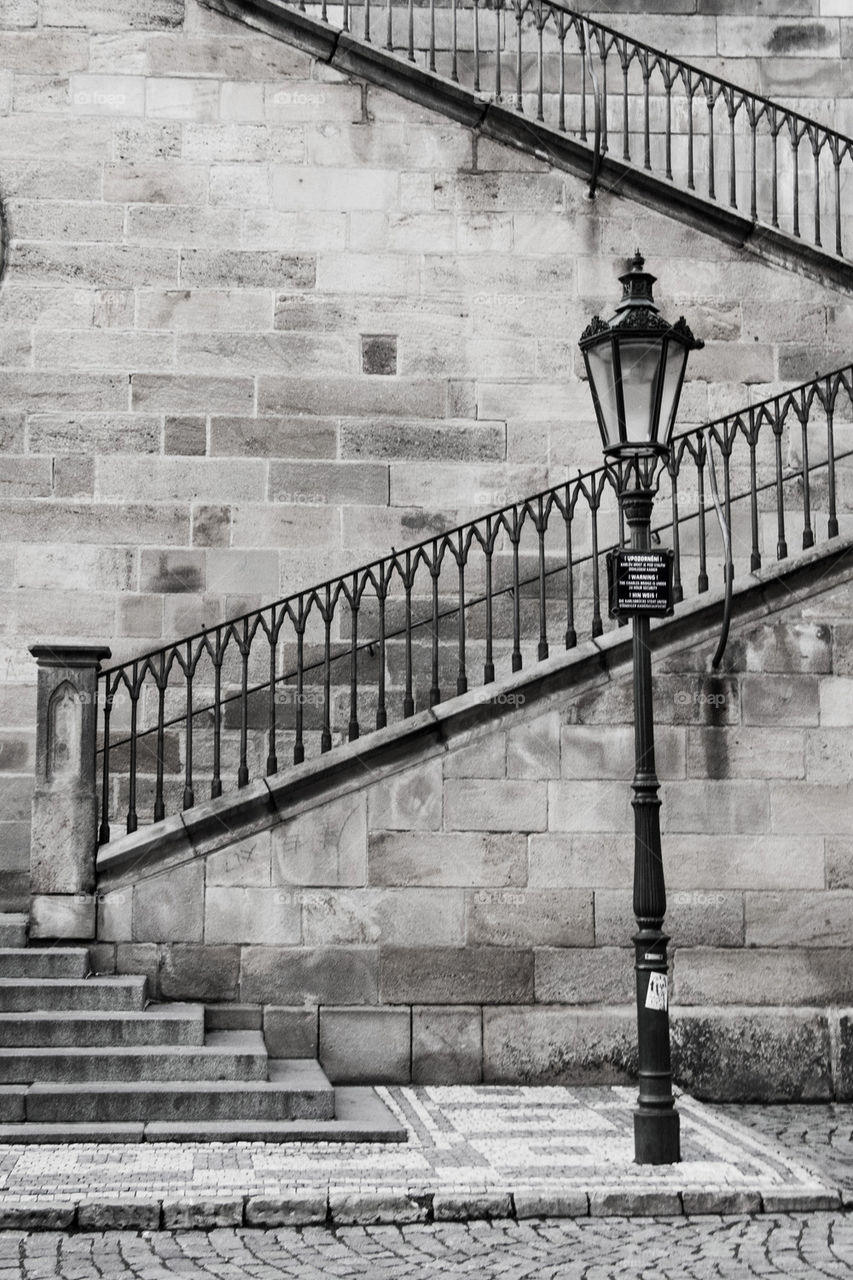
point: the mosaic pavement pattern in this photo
(473, 1151)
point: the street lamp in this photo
(636, 363)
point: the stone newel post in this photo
(64, 824)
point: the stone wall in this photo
(466, 915)
(259, 322)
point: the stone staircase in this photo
(84, 1058)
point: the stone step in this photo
(294, 1094)
(226, 1055)
(168, 1024)
(360, 1116)
(20, 995)
(44, 962)
(13, 929)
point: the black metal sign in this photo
(639, 582)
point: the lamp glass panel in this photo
(603, 376)
(640, 358)
(674, 362)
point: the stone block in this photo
(780, 700)
(143, 958)
(232, 1017)
(721, 1202)
(69, 915)
(634, 1202)
(584, 975)
(62, 831)
(797, 919)
(273, 438)
(788, 647)
(723, 807)
(268, 917)
(559, 1046)
(286, 526)
(202, 1214)
(810, 809)
(550, 1204)
(181, 99)
(114, 915)
(595, 753)
(468, 1206)
(414, 917)
(836, 702)
(182, 224)
(533, 749)
(839, 864)
(172, 570)
(300, 1207)
(118, 1215)
(691, 698)
(694, 917)
(530, 917)
(407, 801)
(323, 846)
(246, 864)
(182, 479)
(290, 1031)
(352, 397)
(765, 976)
(201, 973)
(495, 805)
(229, 572)
(366, 1046)
(329, 482)
(293, 975)
(456, 975)
(370, 1207)
(467, 441)
(447, 1045)
(102, 266)
(246, 269)
(752, 1055)
(451, 859)
(696, 861)
(185, 436)
(581, 861)
(187, 393)
(483, 759)
(237, 310)
(94, 433)
(169, 907)
(740, 752)
(589, 806)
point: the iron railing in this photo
(617, 95)
(243, 699)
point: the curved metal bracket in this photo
(596, 156)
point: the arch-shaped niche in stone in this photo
(64, 732)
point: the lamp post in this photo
(636, 363)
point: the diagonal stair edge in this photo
(351, 56)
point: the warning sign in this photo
(639, 582)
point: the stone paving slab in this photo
(473, 1152)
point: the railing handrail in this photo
(593, 476)
(682, 64)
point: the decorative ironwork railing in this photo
(244, 699)
(641, 105)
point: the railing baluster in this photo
(159, 805)
(216, 781)
(353, 727)
(647, 155)
(626, 126)
(677, 589)
(583, 53)
(808, 532)
(189, 792)
(540, 66)
(795, 145)
(326, 732)
(519, 102)
(272, 757)
(299, 718)
(498, 48)
(381, 709)
(454, 58)
(774, 196)
(755, 552)
(732, 109)
(462, 672)
(367, 21)
(435, 688)
(712, 194)
(561, 111)
(243, 764)
(702, 579)
(489, 664)
(597, 626)
(476, 46)
(571, 633)
(132, 819)
(408, 698)
(432, 35)
(781, 544)
(816, 152)
(104, 830)
(603, 101)
(389, 32)
(516, 600)
(836, 163)
(832, 526)
(753, 183)
(543, 614)
(668, 125)
(411, 31)
(690, 174)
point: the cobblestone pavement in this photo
(669, 1248)
(473, 1152)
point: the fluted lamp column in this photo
(636, 363)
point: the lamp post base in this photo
(657, 1137)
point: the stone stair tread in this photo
(53, 1028)
(360, 1116)
(46, 993)
(167, 1087)
(298, 1073)
(238, 1055)
(44, 962)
